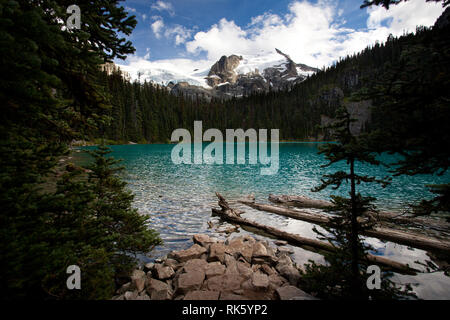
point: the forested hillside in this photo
(147, 113)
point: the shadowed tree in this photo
(51, 94)
(344, 276)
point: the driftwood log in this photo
(401, 237)
(306, 202)
(294, 239)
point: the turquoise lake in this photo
(179, 198)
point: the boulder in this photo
(149, 266)
(172, 263)
(214, 269)
(293, 293)
(195, 265)
(159, 290)
(131, 295)
(193, 252)
(190, 281)
(244, 269)
(217, 252)
(290, 272)
(138, 279)
(231, 264)
(143, 297)
(276, 281)
(240, 247)
(259, 250)
(231, 296)
(124, 288)
(224, 283)
(202, 295)
(203, 240)
(267, 269)
(260, 281)
(163, 272)
(262, 253)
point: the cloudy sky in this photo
(188, 34)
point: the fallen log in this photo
(299, 240)
(401, 237)
(300, 201)
(306, 202)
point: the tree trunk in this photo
(397, 218)
(299, 240)
(401, 237)
(354, 239)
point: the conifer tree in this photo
(411, 111)
(343, 277)
(51, 93)
(98, 230)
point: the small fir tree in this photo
(344, 276)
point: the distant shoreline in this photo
(122, 143)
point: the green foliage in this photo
(343, 277)
(388, 3)
(146, 111)
(439, 204)
(52, 93)
(97, 229)
(411, 109)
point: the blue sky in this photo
(202, 14)
(316, 32)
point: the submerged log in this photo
(401, 237)
(299, 240)
(300, 201)
(306, 202)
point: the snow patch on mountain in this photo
(195, 72)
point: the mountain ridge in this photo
(231, 76)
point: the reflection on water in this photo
(179, 199)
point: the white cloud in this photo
(157, 26)
(180, 34)
(163, 6)
(314, 34)
(311, 33)
(404, 16)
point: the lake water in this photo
(179, 199)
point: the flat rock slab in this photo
(195, 265)
(202, 295)
(164, 272)
(217, 252)
(224, 283)
(293, 293)
(214, 269)
(240, 247)
(203, 240)
(232, 296)
(190, 281)
(159, 290)
(260, 281)
(290, 272)
(138, 279)
(193, 252)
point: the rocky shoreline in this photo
(241, 268)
